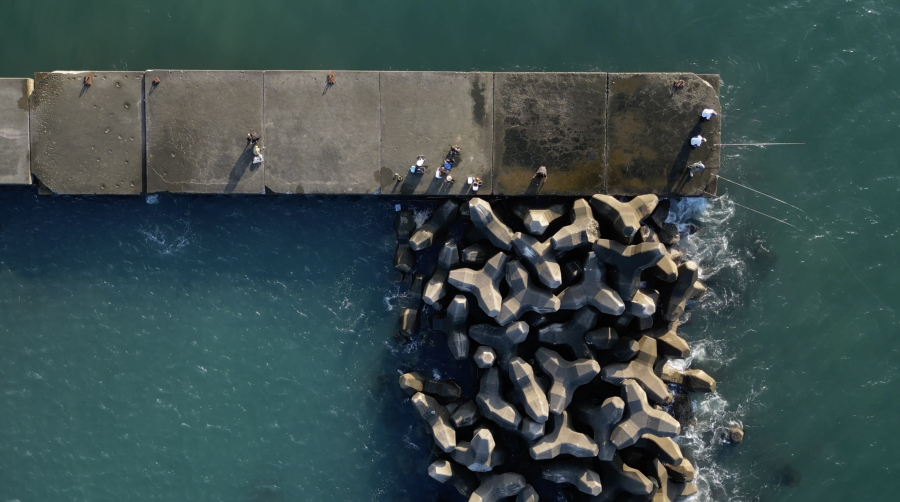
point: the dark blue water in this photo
(240, 349)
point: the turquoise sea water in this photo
(239, 349)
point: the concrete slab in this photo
(425, 113)
(87, 139)
(15, 168)
(197, 126)
(322, 139)
(651, 121)
(556, 120)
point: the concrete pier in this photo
(197, 126)
(88, 139)
(186, 132)
(14, 135)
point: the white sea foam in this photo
(165, 240)
(723, 268)
(421, 215)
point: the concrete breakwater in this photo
(570, 313)
(126, 133)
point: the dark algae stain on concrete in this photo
(651, 122)
(554, 120)
(477, 92)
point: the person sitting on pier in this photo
(452, 156)
(257, 154)
(697, 140)
(541, 173)
(707, 114)
(476, 184)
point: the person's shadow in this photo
(244, 162)
(534, 188)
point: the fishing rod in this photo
(816, 224)
(754, 210)
(757, 144)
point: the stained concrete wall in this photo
(15, 165)
(186, 131)
(88, 139)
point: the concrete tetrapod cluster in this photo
(572, 327)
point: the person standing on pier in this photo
(707, 114)
(541, 173)
(695, 167)
(697, 140)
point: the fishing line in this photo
(755, 211)
(757, 144)
(813, 221)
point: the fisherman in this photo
(476, 184)
(420, 166)
(707, 114)
(697, 140)
(541, 173)
(448, 179)
(693, 168)
(257, 154)
(252, 138)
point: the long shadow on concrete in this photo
(244, 162)
(678, 172)
(534, 188)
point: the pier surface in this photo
(186, 132)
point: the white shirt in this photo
(697, 140)
(708, 113)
